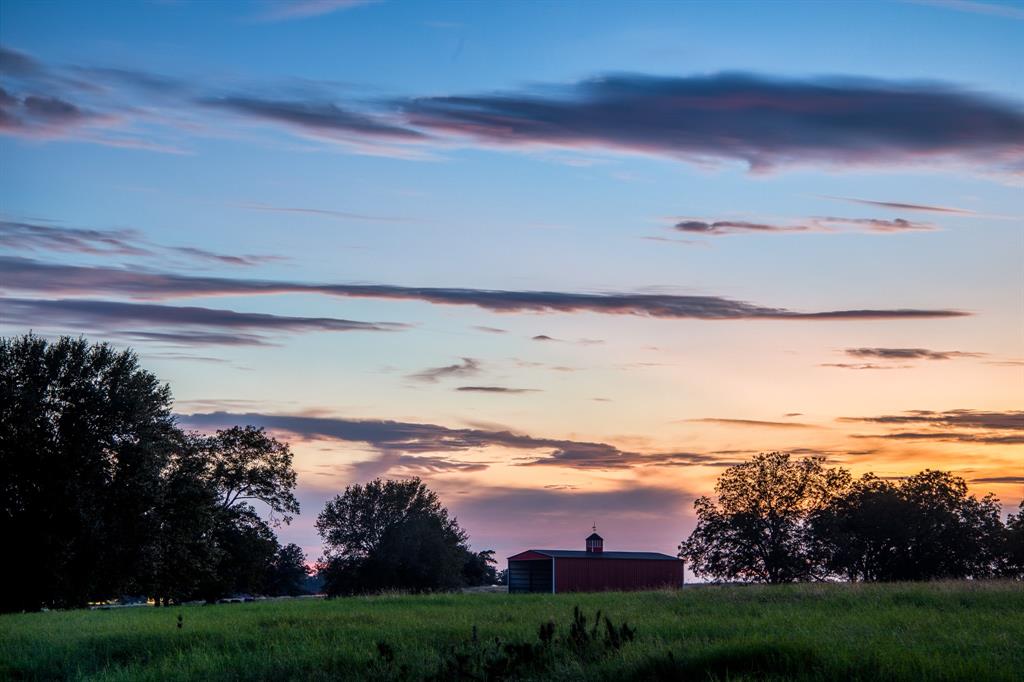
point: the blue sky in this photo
(523, 147)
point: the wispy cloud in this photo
(963, 425)
(494, 389)
(30, 275)
(975, 419)
(288, 10)
(909, 354)
(759, 120)
(765, 122)
(330, 213)
(44, 116)
(830, 224)
(223, 258)
(189, 325)
(862, 365)
(904, 206)
(993, 9)
(322, 118)
(752, 422)
(467, 367)
(416, 439)
(896, 355)
(21, 235)
(35, 236)
(999, 479)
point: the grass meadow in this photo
(935, 631)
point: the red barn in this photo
(592, 570)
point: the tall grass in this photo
(936, 631)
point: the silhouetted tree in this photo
(109, 498)
(288, 572)
(923, 527)
(246, 550)
(1013, 547)
(85, 435)
(390, 535)
(757, 529)
(858, 535)
(214, 543)
(478, 568)
(186, 553)
(248, 465)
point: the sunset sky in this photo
(565, 261)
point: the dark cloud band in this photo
(908, 354)
(51, 278)
(407, 438)
(966, 426)
(179, 324)
(765, 122)
(820, 224)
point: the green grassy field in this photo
(941, 631)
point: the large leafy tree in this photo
(858, 535)
(103, 496)
(85, 435)
(390, 535)
(247, 465)
(186, 554)
(213, 541)
(924, 527)
(756, 530)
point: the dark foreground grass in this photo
(938, 631)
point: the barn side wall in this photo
(597, 575)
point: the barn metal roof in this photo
(580, 554)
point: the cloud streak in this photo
(50, 278)
(329, 213)
(320, 118)
(829, 224)
(179, 324)
(967, 426)
(494, 389)
(43, 115)
(25, 236)
(288, 10)
(416, 439)
(905, 206)
(974, 419)
(32, 236)
(468, 367)
(764, 122)
(908, 354)
(752, 422)
(862, 365)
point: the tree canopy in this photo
(923, 527)
(85, 436)
(780, 519)
(395, 535)
(756, 532)
(104, 496)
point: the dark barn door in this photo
(529, 576)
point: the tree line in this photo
(102, 496)
(778, 519)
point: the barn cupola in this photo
(595, 543)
